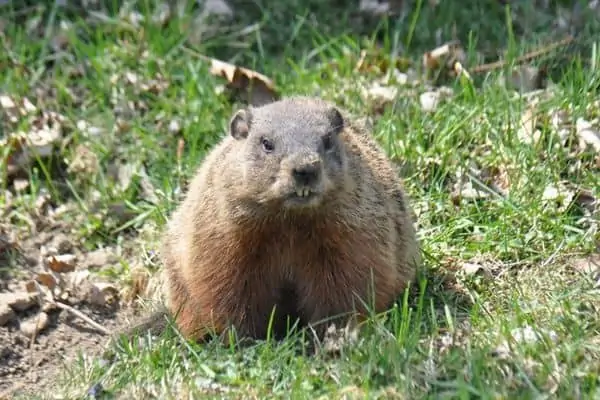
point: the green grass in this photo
(443, 340)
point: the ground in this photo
(108, 109)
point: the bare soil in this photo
(28, 364)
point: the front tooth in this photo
(306, 192)
(299, 192)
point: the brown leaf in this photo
(61, 263)
(259, 88)
(30, 287)
(47, 280)
(140, 278)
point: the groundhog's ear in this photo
(239, 125)
(336, 119)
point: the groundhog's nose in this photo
(306, 175)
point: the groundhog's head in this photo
(291, 153)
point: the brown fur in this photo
(234, 248)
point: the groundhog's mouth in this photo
(302, 197)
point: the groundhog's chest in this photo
(290, 249)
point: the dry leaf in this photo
(7, 103)
(260, 89)
(429, 101)
(464, 189)
(16, 110)
(19, 301)
(528, 335)
(216, 7)
(40, 141)
(20, 184)
(528, 132)
(30, 287)
(47, 280)
(588, 265)
(472, 268)
(77, 278)
(445, 56)
(84, 161)
(587, 134)
(140, 277)
(125, 173)
(522, 335)
(379, 92)
(89, 130)
(148, 190)
(560, 195)
(377, 62)
(61, 263)
(174, 126)
(526, 78)
(100, 258)
(432, 99)
(374, 7)
(336, 339)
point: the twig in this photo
(81, 315)
(524, 58)
(49, 298)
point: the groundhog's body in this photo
(246, 239)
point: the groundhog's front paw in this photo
(335, 339)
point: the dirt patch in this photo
(28, 365)
(37, 337)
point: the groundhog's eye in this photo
(327, 142)
(267, 145)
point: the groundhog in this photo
(297, 215)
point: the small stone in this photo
(62, 243)
(101, 294)
(6, 102)
(19, 301)
(100, 258)
(6, 314)
(34, 325)
(174, 126)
